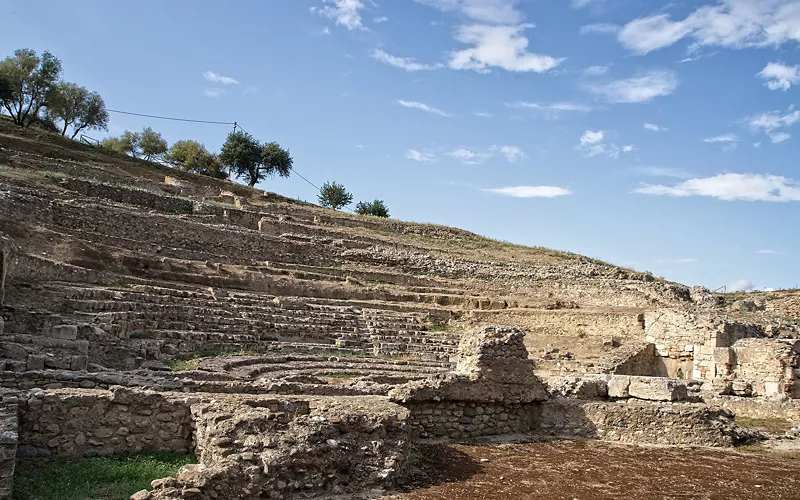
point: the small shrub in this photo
(334, 195)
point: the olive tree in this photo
(244, 156)
(191, 156)
(334, 195)
(377, 208)
(78, 108)
(32, 80)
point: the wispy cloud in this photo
(731, 187)
(676, 173)
(512, 153)
(422, 107)
(779, 76)
(592, 143)
(482, 114)
(642, 87)
(468, 156)
(597, 70)
(381, 19)
(769, 252)
(346, 13)
(555, 106)
(405, 63)
(215, 92)
(212, 77)
(730, 23)
(420, 156)
(580, 4)
(655, 128)
(599, 29)
(530, 191)
(722, 139)
(772, 123)
(484, 11)
(499, 46)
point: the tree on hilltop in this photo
(191, 156)
(5, 89)
(376, 208)
(31, 79)
(78, 108)
(147, 144)
(334, 195)
(245, 157)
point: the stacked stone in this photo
(8, 448)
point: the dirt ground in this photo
(593, 470)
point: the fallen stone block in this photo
(657, 389)
(618, 386)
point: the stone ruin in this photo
(301, 352)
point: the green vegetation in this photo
(375, 208)
(32, 80)
(186, 363)
(334, 195)
(438, 327)
(246, 157)
(147, 144)
(76, 107)
(191, 156)
(109, 478)
(770, 425)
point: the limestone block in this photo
(618, 386)
(722, 355)
(35, 362)
(13, 351)
(64, 332)
(79, 363)
(657, 389)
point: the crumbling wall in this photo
(72, 422)
(769, 366)
(492, 391)
(637, 422)
(8, 448)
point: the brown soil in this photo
(592, 470)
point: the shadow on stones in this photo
(435, 464)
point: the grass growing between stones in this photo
(108, 478)
(770, 425)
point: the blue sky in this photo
(657, 135)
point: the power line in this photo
(171, 118)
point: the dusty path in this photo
(599, 471)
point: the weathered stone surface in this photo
(657, 389)
(65, 332)
(618, 386)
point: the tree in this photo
(334, 195)
(78, 108)
(191, 156)
(5, 89)
(129, 143)
(246, 157)
(32, 80)
(152, 145)
(376, 208)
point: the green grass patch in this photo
(107, 478)
(770, 425)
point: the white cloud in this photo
(579, 4)
(482, 114)
(217, 78)
(469, 157)
(769, 252)
(485, 11)
(639, 88)
(215, 92)
(778, 76)
(597, 70)
(530, 191)
(346, 13)
(779, 137)
(655, 128)
(422, 107)
(599, 29)
(405, 63)
(512, 153)
(381, 19)
(756, 145)
(742, 286)
(731, 187)
(664, 172)
(722, 139)
(592, 143)
(498, 47)
(553, 110)
(420, 156)
(729, 23)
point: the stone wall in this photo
(70, 422)
(8, 448)
(769, 366)
(637, 422)
(462, 420)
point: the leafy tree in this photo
(191, 156)
(32, 80)
(78, 108)
(129, 143)
(5, 89)
(246, 157)
(334, 195)
(377, 208)
(152, 145)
